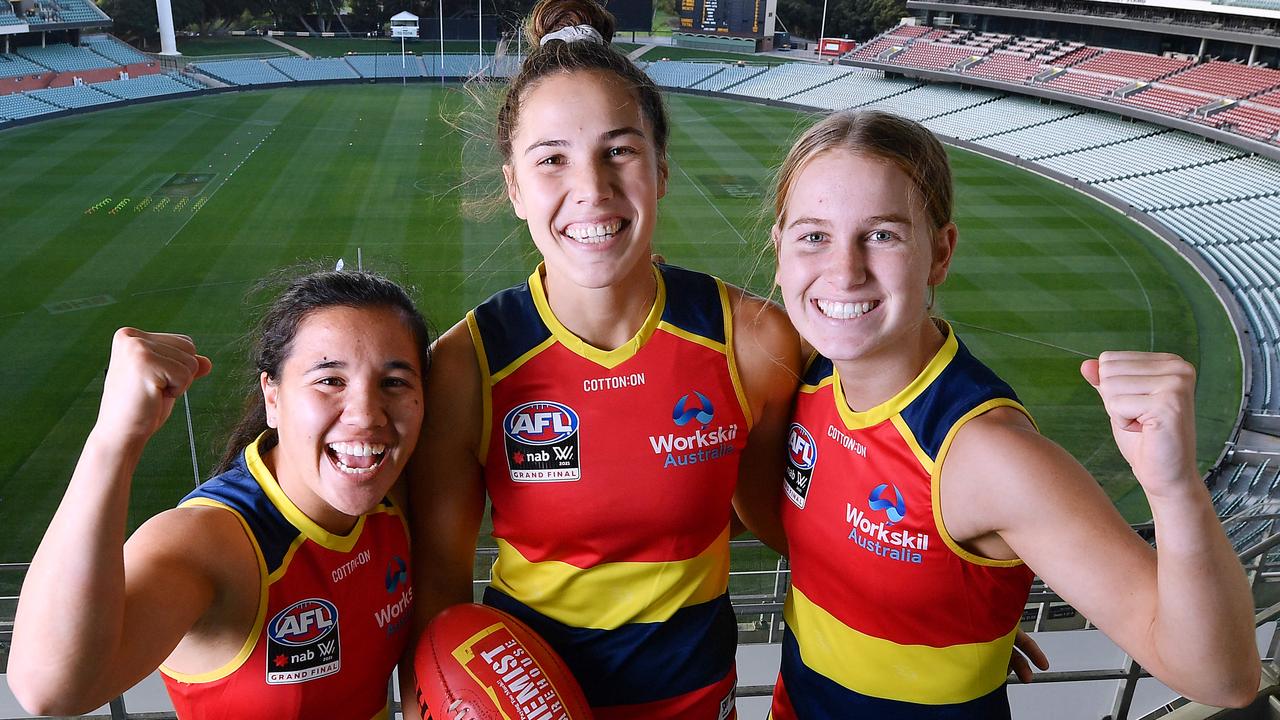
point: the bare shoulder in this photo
(1001, 458)
(200, 544)
(762, 330)
(453, 360)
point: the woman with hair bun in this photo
(928, 497)
(266, 592)
(614, 411)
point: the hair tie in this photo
(573, 33)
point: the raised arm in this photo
(93, 618)
(446, 488)
(767, 351)
(1184, 610)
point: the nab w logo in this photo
(704, 412)
(896, 509)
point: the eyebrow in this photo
(610, 135)
(390, 365)
(874, 220)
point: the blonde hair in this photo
(905, 143)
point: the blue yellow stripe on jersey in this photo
(622, 565)
(888, 616)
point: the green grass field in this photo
(164, 215)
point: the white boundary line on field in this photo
(1020, 337)
(703, 193)
(214, 191)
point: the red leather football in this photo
(478, 663)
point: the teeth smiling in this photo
(843, 310)
(342, 452)
(358, 449)
(593, 233)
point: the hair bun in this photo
(549, 16)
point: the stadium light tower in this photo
(823, 32)
(168, 39)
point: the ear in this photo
(662, 179)
(944, 248)
(513, 191)
(270, 398)
(776, 235)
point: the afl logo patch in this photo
(303, 642)
(542, 442)
(802, 455)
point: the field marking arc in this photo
(1020, 337)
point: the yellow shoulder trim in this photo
(909, 438)
(310, 529)
(935, 481)
(726, 309)
(486, 385)
(856, 420)
(259, 618)
(608, 359)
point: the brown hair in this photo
(558, 56)
(892, 138)
(276, 329)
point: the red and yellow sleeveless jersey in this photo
(611, 475)
(887, 616)
(333, 615)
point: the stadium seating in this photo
(872, 50)
(7, 17)
(928, 101)
(242, 72)
(314, 68)
(1254, 121)
(1079, 83)
(1006, 65)
(1151, 153)
(19, 106)
(1068, 135)
(113, 50)
(143, 87)
(1169, 102)
(731, 75)
(1225, 79)
(1013, 113)
(856, 87)
(385, 66)
(1216, 182)
(782, 81)
(935, 56)
(18, 66)
(1139, 66)
(65, 58)
(1272, 99)
(1075, 55)
(677, 74)
(73, 96)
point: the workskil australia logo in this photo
(542, 442)
(802, 455)
(392, 616)
(700, 445)
(302, 642)
(877, 536)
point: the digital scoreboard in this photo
(738, 18)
